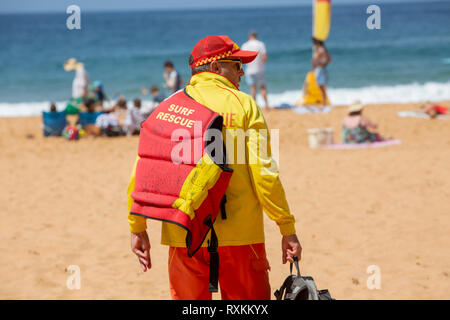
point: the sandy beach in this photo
(64, 203)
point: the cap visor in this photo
(245, 56)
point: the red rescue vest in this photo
(182, 176)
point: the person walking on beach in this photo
(172, 77)
(80, 84)
(216, 66)
(255, 70)
(321, 58)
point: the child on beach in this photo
(157, 96)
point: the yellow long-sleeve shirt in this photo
(254, 185)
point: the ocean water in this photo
(407, 60)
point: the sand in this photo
(63, 203)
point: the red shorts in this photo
(243, 273)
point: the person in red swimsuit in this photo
(433, 110)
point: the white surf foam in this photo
(406, 93)
(25, 109)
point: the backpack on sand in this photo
(296, 287)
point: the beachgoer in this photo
(108, 123)
(89, 105)
(172, 77)
(157, 96)
(357, 128)
(52, 107)
(80, 84)
(255, 70)
(433, 110)
(216, 66)
(321, 58)
(99, 93)
(134, 118)
(121, 104)
(120, 110)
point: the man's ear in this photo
(214, 67)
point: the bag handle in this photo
(296, 266)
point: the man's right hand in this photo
(290, 247)
(140, 245)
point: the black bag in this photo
(296, 287)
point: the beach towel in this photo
(285, 106)
(88, 118)
(305, 110)
(53, 123)
(363, 145)
(422, 115)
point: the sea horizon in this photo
(212, 8)
(407, 60)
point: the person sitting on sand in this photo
(357, 128)
(120, 109)
(90, 105)
(87, 106)
(432, 110)
(52, 107)
(121, 105)
(134, 119)
(108, 124)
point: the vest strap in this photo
(213, 259)
(222, 207)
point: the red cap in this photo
(214, 48)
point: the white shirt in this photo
(80, 82)
(134, 118)
(257, 65)
(171, 83)
(106, 119)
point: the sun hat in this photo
(71, 64)
(355, 107)
(214, 48)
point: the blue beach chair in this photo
(88, 118)
(54, 123)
